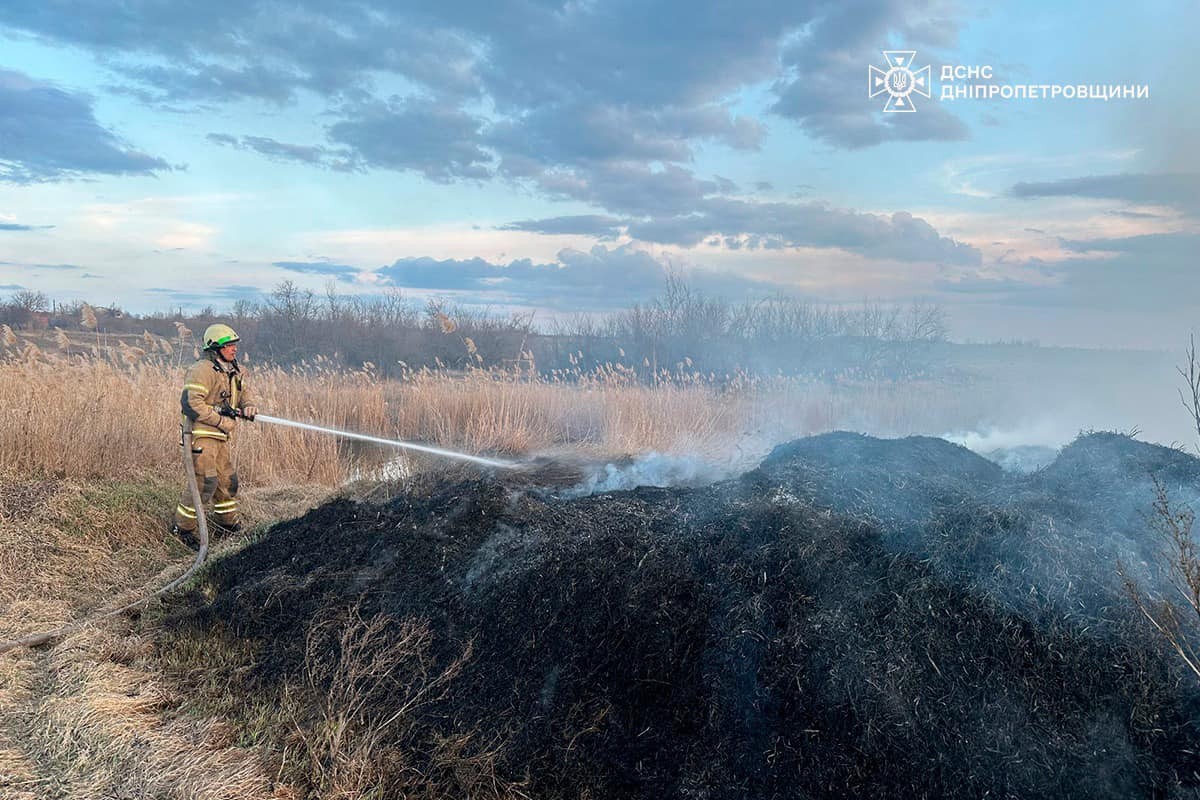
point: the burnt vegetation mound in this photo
(802, 631)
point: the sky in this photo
(565, 157)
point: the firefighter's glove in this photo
(249, 413)
(228, 411)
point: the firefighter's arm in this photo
(197, 406)
(247, 402)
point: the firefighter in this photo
(214, 397)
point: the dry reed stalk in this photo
(93, 418)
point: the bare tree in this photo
(1179, 623)
(24, 304)
(926, 323)
(31, 301)
(1190, 396)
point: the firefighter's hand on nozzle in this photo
(228, 411)
(249, 413)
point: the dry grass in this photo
(62, 542)
(101, 726)
(92, 716)
(68, 546)
(90, 471)
(19, 778)
(346, 728)
(104, 412)
(355, 666)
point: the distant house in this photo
(39, 320)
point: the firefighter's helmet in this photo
(217, 336)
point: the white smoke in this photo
(649, 469)
(1043, 432)
(1021, 448)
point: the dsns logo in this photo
(899, 81)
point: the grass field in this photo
(73, 410)
(90, 469)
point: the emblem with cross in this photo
(899, 81)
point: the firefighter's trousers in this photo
(218, 484)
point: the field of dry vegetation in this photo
(105, 408)
(90, 467)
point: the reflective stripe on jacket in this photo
(206, 388)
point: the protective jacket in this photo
(210, 384)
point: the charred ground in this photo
(856, 617)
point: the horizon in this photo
(536, 323)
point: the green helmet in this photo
(217, 336)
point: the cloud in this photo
(284, 151)
(900, 236)
(341, 272)
(1148, 273)
(566, 83)
(578, 133)
(190, 297)
(827, 112)
(438, 141)
(47, 134)
(597, 225)
(1181, 190)
(630, 187)
(14, 226)
(600, 278)
(670, 205)
(341, 160)
(1149, 244)
(230, 50)
(212, 80)
(822, 90)
(1135, 215)
(605, 104)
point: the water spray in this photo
(437, 451)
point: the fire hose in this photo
(37, 639)
(66, 630)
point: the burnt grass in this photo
(855, 618)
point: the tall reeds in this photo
(84, 411)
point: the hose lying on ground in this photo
(42, 638)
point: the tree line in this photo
(681, 331)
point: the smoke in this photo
(650, 469)
(1022, 448)
(1023, 458)
(1053, 537)
(1044, 432)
